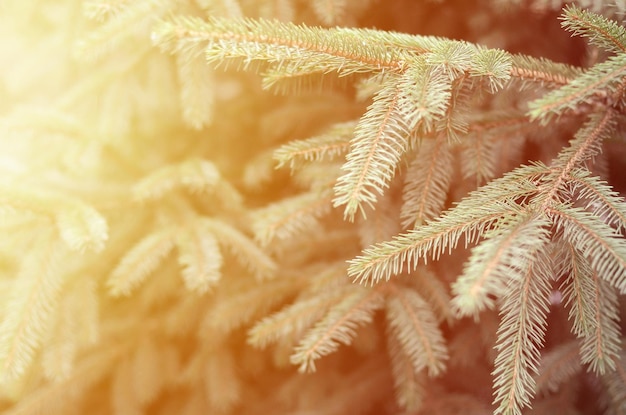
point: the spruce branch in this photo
(80, 329)
(480, 153)
(415, 326)
(600, 348)
(296, 48)
(79, 224)
(194, 174)
(89, 371)
(426, 183)
(408, 384)
(385, 259)
(31, 305)
(503, 258)
(427, 94)
(540, 71)
(454, 123)
(434, 291)
(381, 137)
(200, 256)
(586, 144)
(520, 336)
(603, 248)
(557, 367)
(598, 198)
(600, 31)
(594, 86)
(291, 216)
(416, 93)
(198, 84)
(246, 252)
(415, 100)
(578, 292)
(291, 322)
(489, 135)
(470, 218)
(82, 228)
(328, 146)
(493, 64)
(241, 304)
(615, 390)
(337, 327)
(141, 260)
(453, 58)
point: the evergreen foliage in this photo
(296, 207)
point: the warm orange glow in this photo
(147, 232)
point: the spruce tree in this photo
(326, 206)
